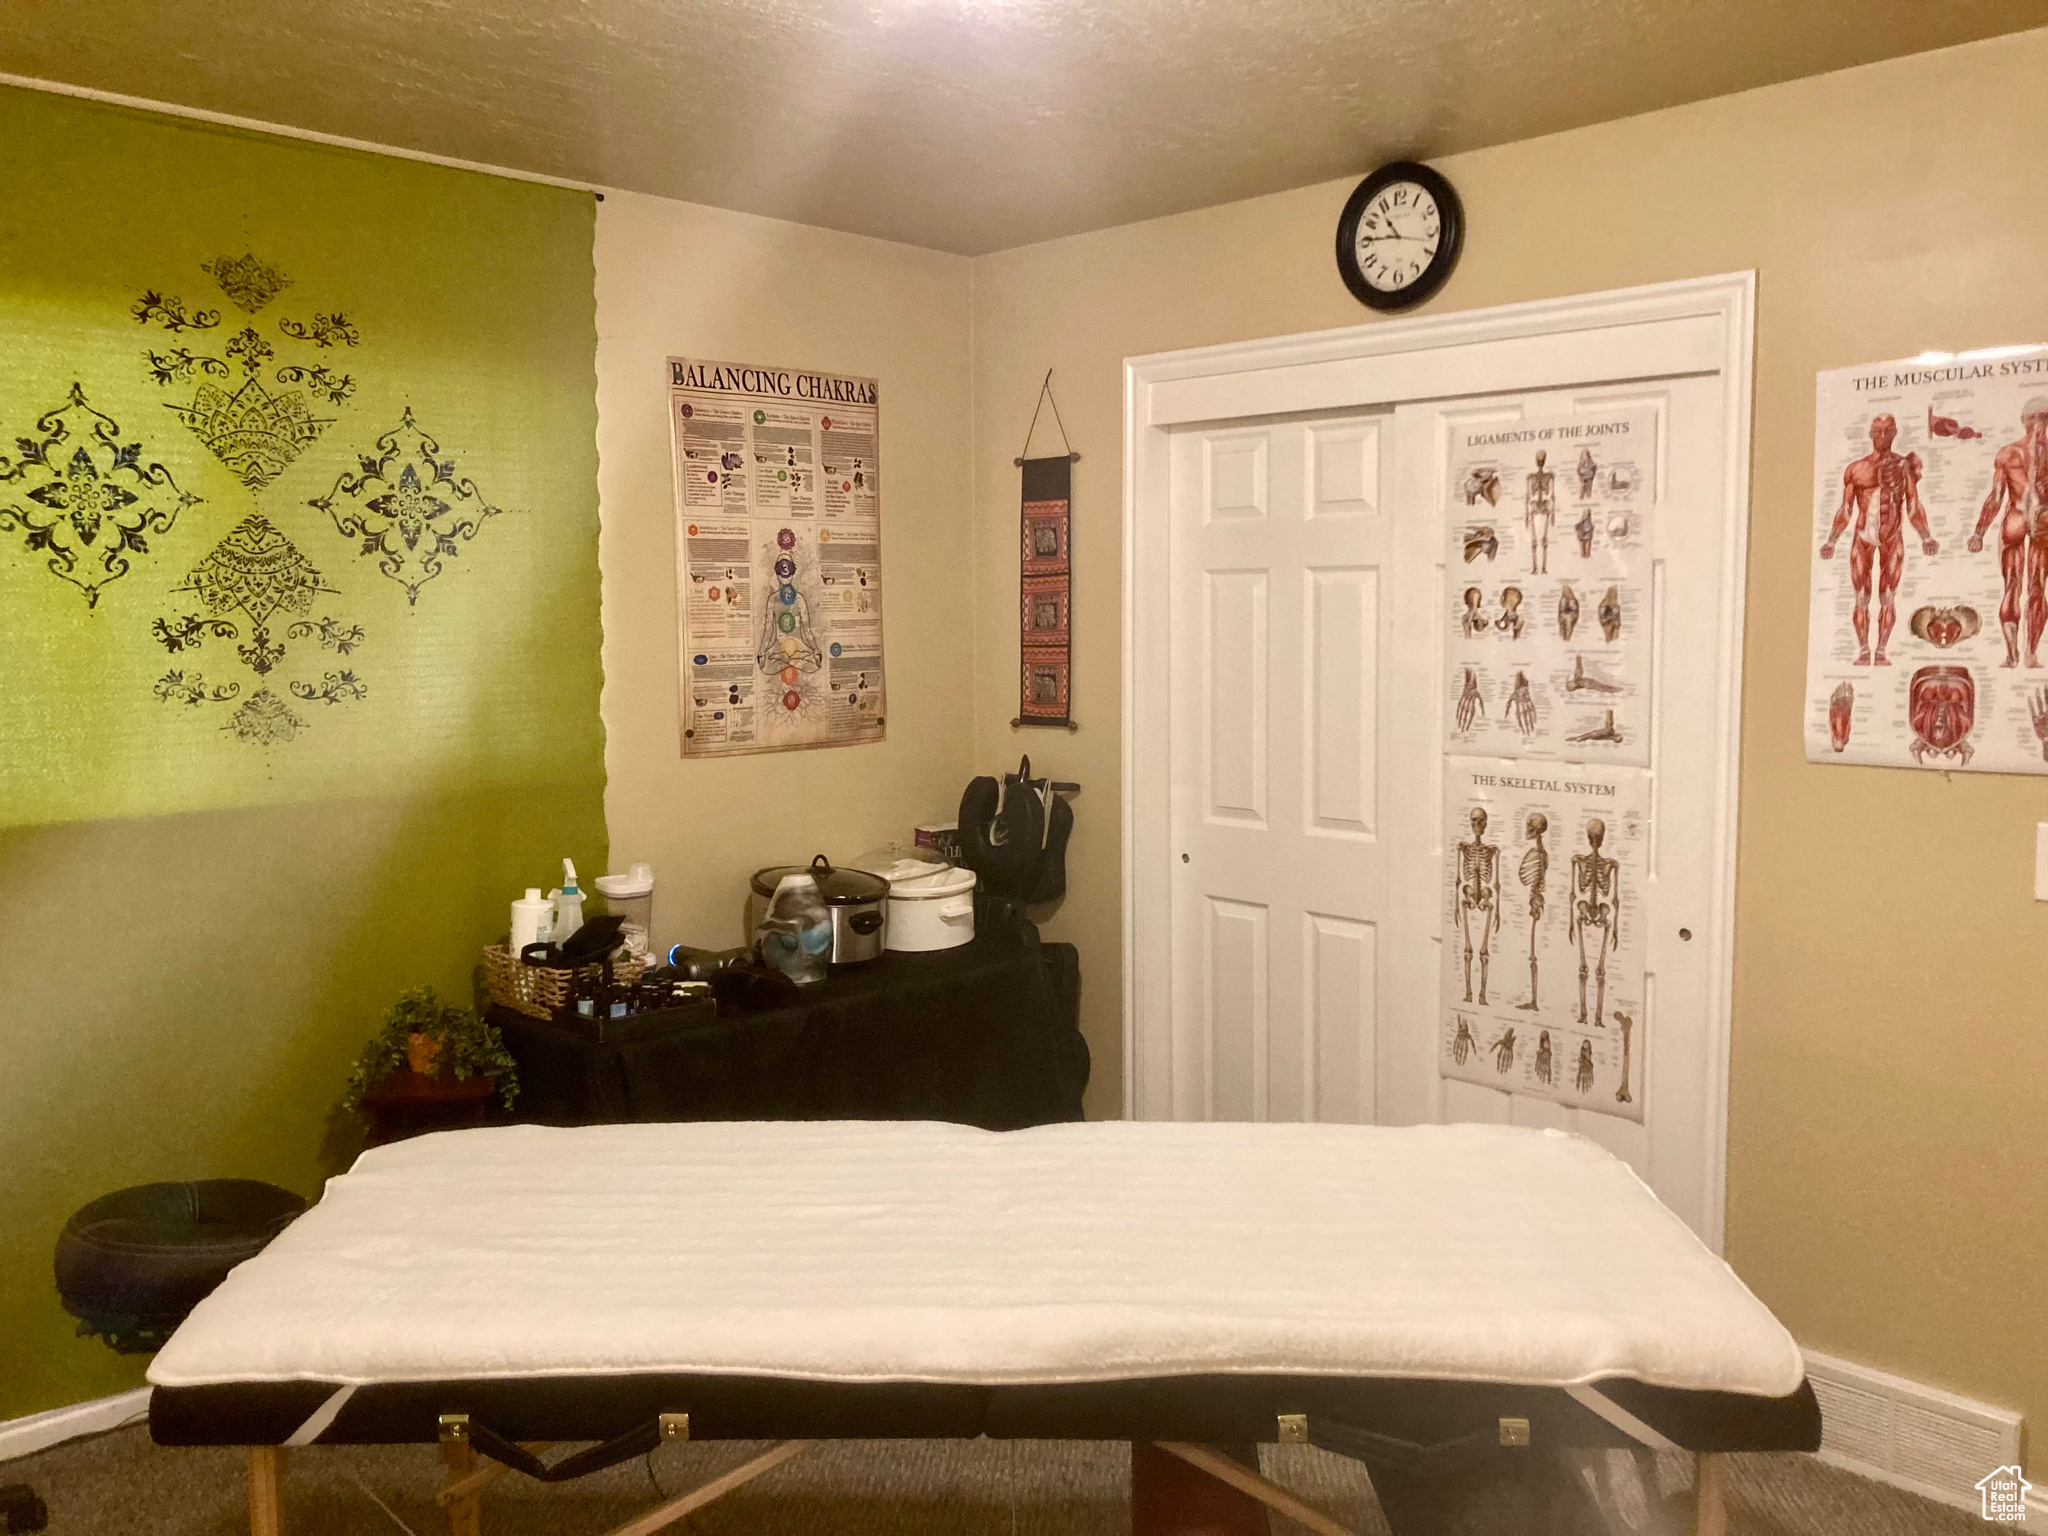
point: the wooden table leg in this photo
(1710, 1493)
(466, 1509)
(264, 1516)
(1169, 1497)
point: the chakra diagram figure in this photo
(1539, 511)
(1478, 899)
(1535, 871)
(1596, 908)
(1588, 473)
(1878, 543)
(2019, 485)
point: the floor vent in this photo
(1927, 1441)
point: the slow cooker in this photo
(856, 899)
(931, 903)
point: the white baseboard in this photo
(1915, 1437)
(40, 1431)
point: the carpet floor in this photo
(121, 1485)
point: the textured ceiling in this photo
(968, 125)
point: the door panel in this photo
(1278, 545)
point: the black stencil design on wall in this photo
(83, 500)
(408, 506)
(264, 720)
(256, 431)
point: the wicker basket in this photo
(543, 990)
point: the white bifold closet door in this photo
(1306, 572)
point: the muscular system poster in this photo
(1547, 602)
(778, 557)
(1542, 985)
(1929, 587)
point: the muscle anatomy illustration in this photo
(2019, 488)
(1539, 512)
(1841, 714)
(1535, 874)
(1479, 899)
(1877, 548)
(1595, 916)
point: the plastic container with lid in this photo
(631, 896)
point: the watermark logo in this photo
(2005, 1495)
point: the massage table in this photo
(1439, 1302)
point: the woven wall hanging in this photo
(1046, 584)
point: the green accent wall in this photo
(331, 700)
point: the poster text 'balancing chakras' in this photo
(1543, 937)
(1547, 651)
(779, 557)
(1928, 594)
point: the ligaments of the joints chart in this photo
(778, 557)
(1929, 596)
(1549, 541)
(1542, 986)
(1550, 532)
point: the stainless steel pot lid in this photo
(839, 887)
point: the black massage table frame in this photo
(1419, 1440)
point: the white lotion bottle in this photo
(532, 922)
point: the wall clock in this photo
(1400, 235)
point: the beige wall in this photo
(680, 279)
(1888, 1135)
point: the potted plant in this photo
(432, 1038)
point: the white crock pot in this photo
(930, 907)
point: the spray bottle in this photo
(568, 903)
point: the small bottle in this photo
(568, 905)
(532, 920)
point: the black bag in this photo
(1014, 835)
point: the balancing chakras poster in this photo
(1543, 939)
(778, 557)
(1547, 601)
(1929, 586)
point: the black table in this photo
(986, 1035)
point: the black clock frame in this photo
(1450, 212)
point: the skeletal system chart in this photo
(1543, 949)
(1549, 544)
(1927, 628)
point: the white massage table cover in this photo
(908, 1251)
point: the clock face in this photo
(1399, 234)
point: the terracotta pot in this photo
(421, 1054)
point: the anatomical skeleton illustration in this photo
(1510, 619)
(1539, 512)
(1482, 482)
(1610, 614)
(1585, 1077)
(1522, 840)
(1588, 472)
(1535, 874)
(1471, 707)
(1582, 681)
(1472, 620)
(1521, 706)
(1481, 539)
(1596, 909)
(1479, 898)
(1584, 529)
(1606, 730)
(1567, 613)
(1877, 545)
(2019, 487)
